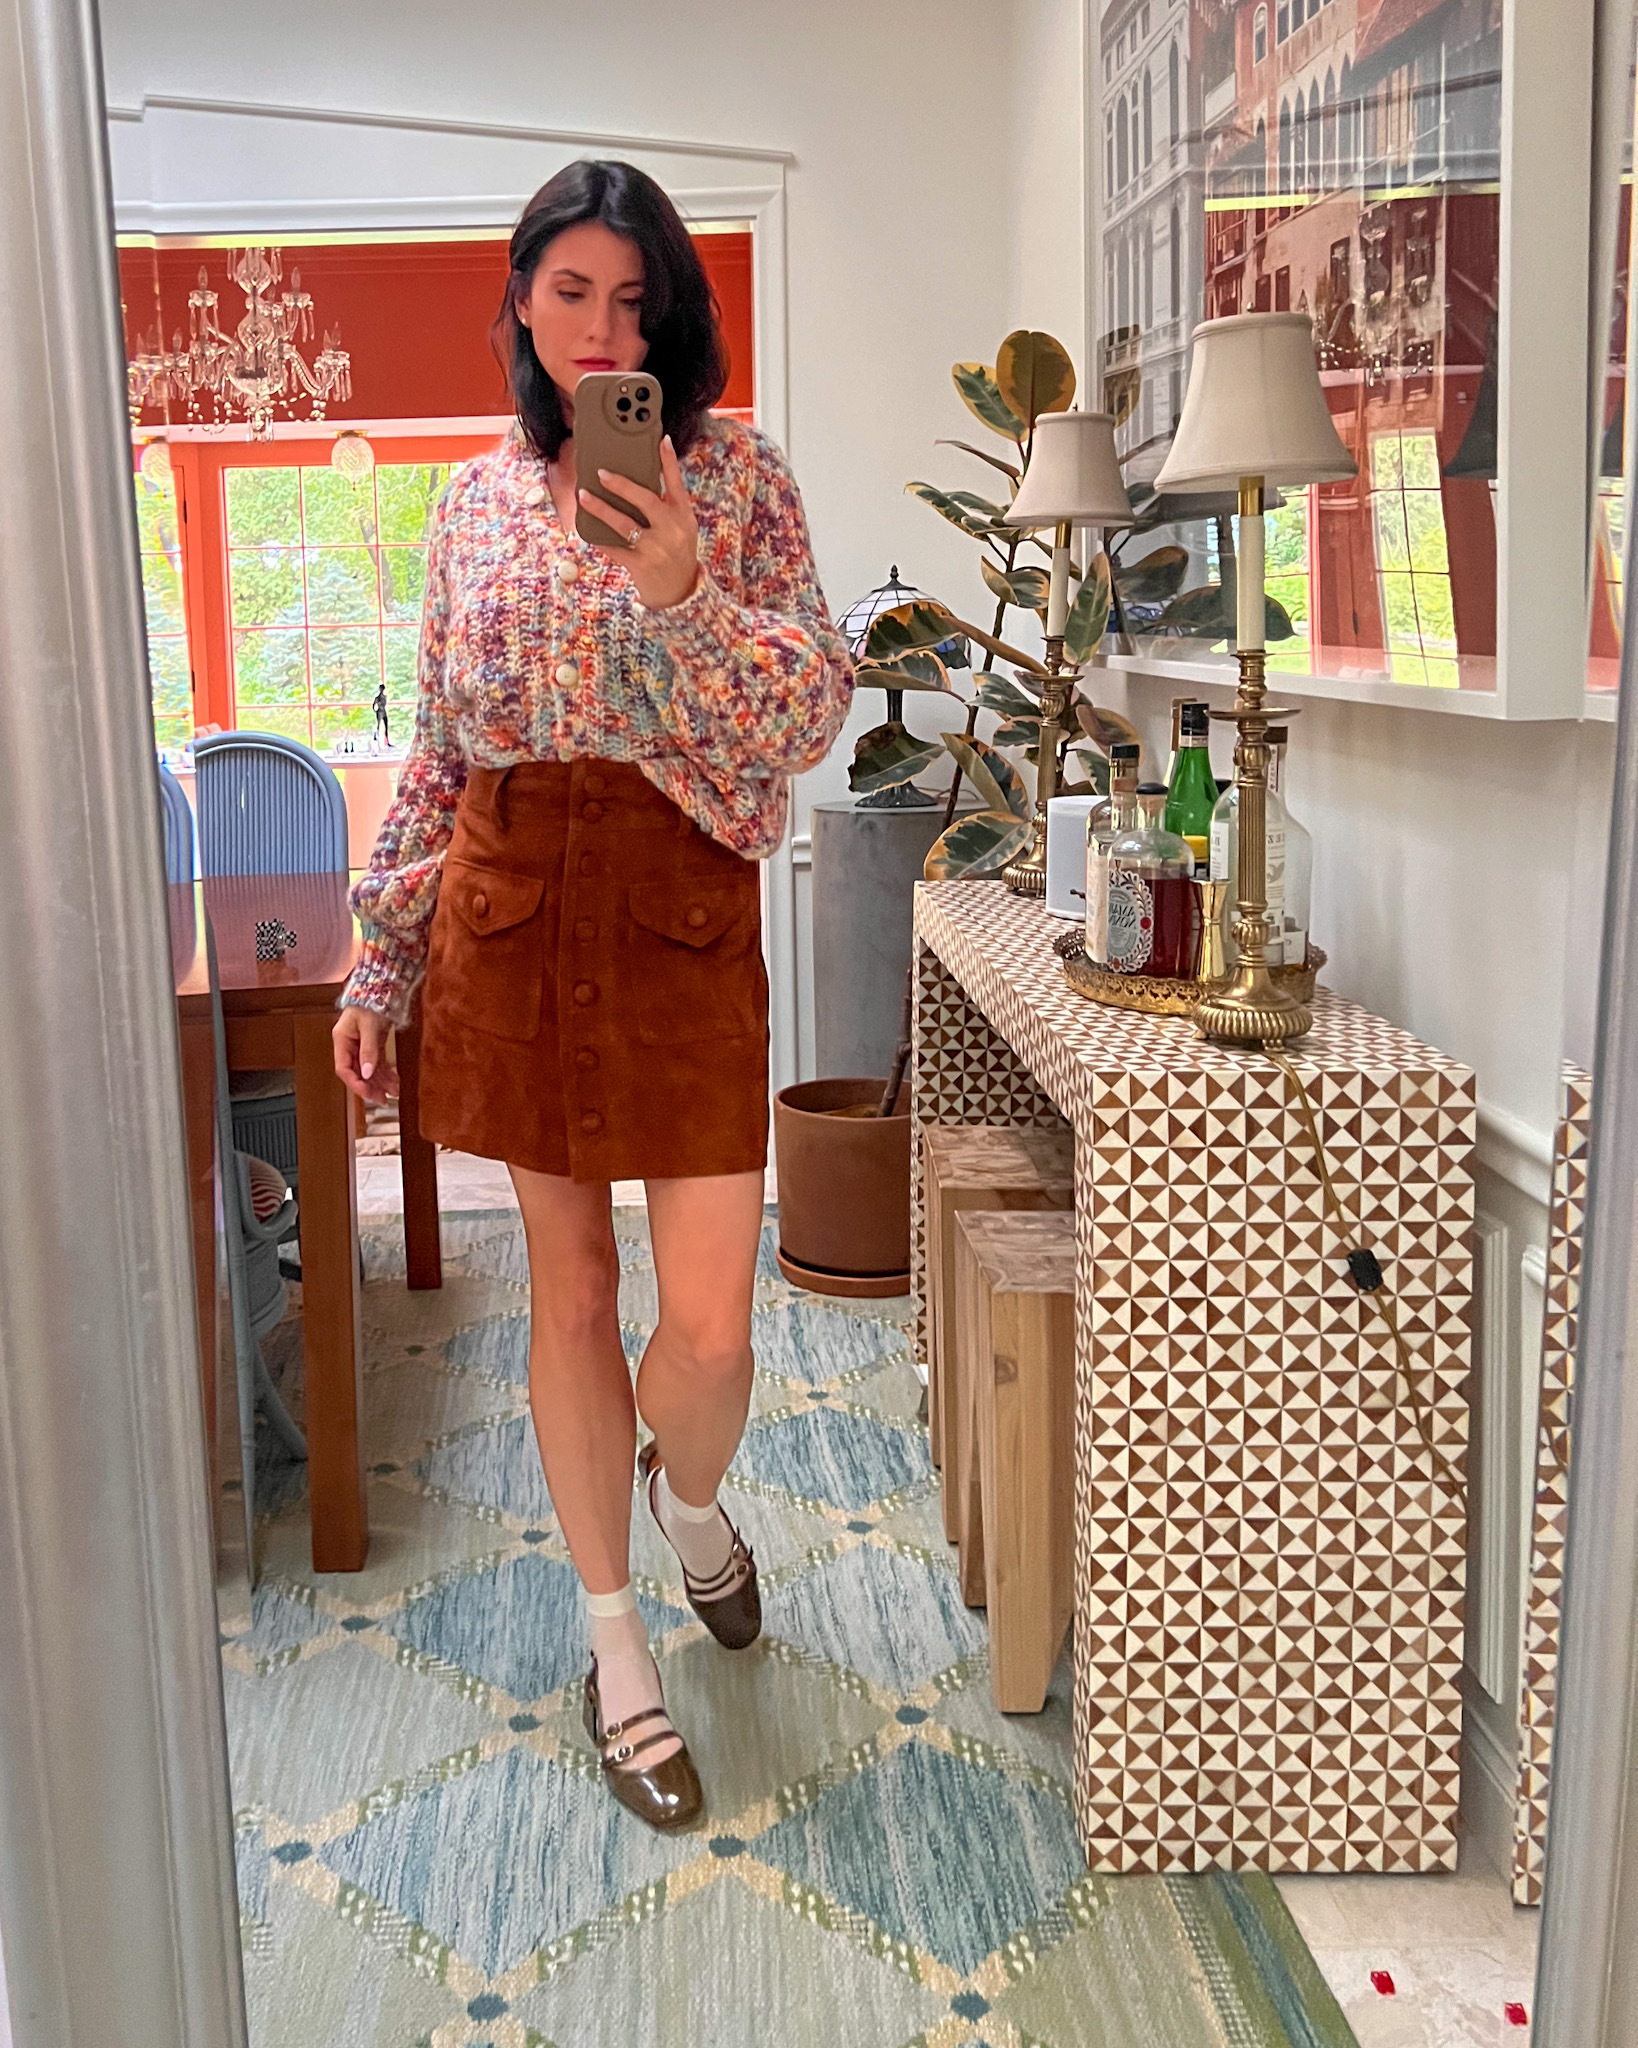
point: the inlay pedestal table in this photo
(1269, 1556)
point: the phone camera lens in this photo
(642, 414)
(622, 405)
(643, 394)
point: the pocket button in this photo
(591, 1123)
(696, 915)
(585, 992)
(480, 905)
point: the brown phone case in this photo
(617, 426)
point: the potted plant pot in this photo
(844, 1188)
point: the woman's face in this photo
(584, 306)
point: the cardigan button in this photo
(696, 915)
(535, 495)
(567, 573)
(591, 1123)
(568, 673)
(586, 1059)
(585, 993)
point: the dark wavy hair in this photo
(680, 318)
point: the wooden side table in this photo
(1269, 1562)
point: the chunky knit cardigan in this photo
(535, 648)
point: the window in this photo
(1122, 150)
(1261, 173)
(1259, 35)
(1282, 21)
(1347, 129)
(1328, 137)
(1412, 558)
(1172, 93)
(1145, 21)
(1148, 122)
(325, 581)
(1148, 274)
(1285, 145)
(1109, 152)
(160, 538)
(1174, 304)
(1287, 572)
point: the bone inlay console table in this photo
(1269, 1562)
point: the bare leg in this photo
(694, 1387)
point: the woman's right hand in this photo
(360, 1040)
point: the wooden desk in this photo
(280, 1014)
(1269, 1564)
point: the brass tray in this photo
(1157, 998)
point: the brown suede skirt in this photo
(595, 1002)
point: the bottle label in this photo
(1131, 923)
(1199, 845)
(1097, 904)
(1220, 850)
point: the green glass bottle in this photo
(1193, 793)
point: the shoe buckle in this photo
(624, 1752)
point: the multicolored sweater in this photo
(536, 648)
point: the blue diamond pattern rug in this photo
(427, 1858)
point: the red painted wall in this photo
(414, 316)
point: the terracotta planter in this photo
(844, 1188)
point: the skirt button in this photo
(588, 863)
(591, 812)
(591, 1123)
(595, 785)
(585, 928)
(585, 992)
(586, 1059)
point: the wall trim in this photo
(801, 850)
(1516, 1152)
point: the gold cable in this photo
(1381, 1296)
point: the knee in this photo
(711, 1360)
(580, 1296)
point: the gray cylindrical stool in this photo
(865, 867)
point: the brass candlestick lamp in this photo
(1253, 415)
(1073, 479)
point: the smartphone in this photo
(617, 427)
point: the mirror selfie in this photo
(819, 1038)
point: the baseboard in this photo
(1489, 1779)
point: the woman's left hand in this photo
(664, 558)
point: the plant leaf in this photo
(1121, 391)
(1089, 614)
(1096, 767)
(949, 506)
(1155, 579)
(976, 845)
(909, 672)
(1207, 613)
(982, 508)
(994, 777)
(908, 628)
(1018, 732)
(982, 397)
(1034, 374)
(887, 756)
(1006, 468)
(1105, 728)
(1025, 587)
(1005, 699)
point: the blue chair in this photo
(267, 806)
(256, 1289)
(176, 814)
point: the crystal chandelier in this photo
(253, 370)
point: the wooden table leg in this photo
(331, 1333)
(199, 1112)
(418, 1158)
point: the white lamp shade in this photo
(1073, 474)
(1254, 407)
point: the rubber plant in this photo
(1032, 374)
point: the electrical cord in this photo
(1365, 1272)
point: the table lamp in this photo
(1253, 415)
(1073, 479)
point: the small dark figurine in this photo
(381, 731)
(274, 938)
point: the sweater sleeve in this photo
(759, 688)
(396, 898)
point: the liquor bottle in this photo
(1154, 907)
(1225, 862)
(1193, 793)
(1102, 832)
(1299, 856)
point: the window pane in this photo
(269, 668)
(406, 494)
(403, 583)
(156, 517)
(262, 505)
(336, 511)
(346, 666)
(1399, 614)
(1425, 527)
(293, 723)
(264, 587)
(162, 594)
(399, 645)
(172, 684)
(341, 586)
(1392, 544)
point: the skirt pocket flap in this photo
(490, 899)
(693, 915)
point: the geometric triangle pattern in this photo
(1270, 1562)
(1546, 1587)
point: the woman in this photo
(603, 747)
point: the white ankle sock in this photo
(701, 1537)
(627, 1677)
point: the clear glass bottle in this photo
(1103, 828)
(1192, 794)
(1154, 907)
(1288, 863)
